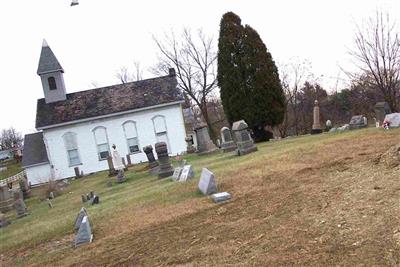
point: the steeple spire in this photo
(48, 61)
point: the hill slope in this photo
(315, 200)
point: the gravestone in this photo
(220, 197)
(207, 183)
(91, 194)
(3, 220)
(316, 127)
(187, 173)
(227, 144)
(357, 122)
(111, 169)
(177, 173)
(82, 213)
(128, 159)
(381, 110)
(6, 199)
(94, 200)
(204, 143)
(328, 125)
(24, 186)
(244, 142)
(165, 167)
(51, 195)
(84, 233)
(189, 145)
(121, 176)
(394, 119)
(83, 199)
(77, 173)
(49, 203)
(87, 196)
(20, 208)
(116, 159)
(153, 164)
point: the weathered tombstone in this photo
(316, 127)
(121, 176)
(357, 122)
(165, 167)
(128, 159)
(393, 119)
(381, 110)
(328, 125)
(243, 139)
(49, 203)
(84, 233)
(82, 213)
(51, 195)
(87, 196)
(187, 173)
(20, 208)
(83, 199)
(177, 173)
(94, 200)
(6, 199)
(365, 121)
(153, 164)
(220, 197)
(3, 220)
(24, 186)
(189, 145)
(204, 143)
(116, 159)
(207, 183)
(227, 144)
(77, 173)
(91, 194)
(111, 169)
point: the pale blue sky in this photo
(94, 39)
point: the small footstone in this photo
(82, 213)
(85, 232)
(220, 197)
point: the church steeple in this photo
(51, 74)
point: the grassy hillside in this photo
(315, 200)
(12, 168)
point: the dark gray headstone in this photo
(84, 199)
(94, 200)
(226, 133)
(82, 213)
(87, 196)
(187, 173)
(207, 183)
(165, 167)
(91, 194)
(121, 176)
(20, 208)
(84, 234)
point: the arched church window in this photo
(52, 83)
(160, 130)
(71, 145)
(131, 136)
(100, 136)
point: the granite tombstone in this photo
(227, 144)
(84, 234)
(243, 139)
(165, 167)
(207, 183)
(204, 143)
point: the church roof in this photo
(109, 100)
(34, 150)
(48, 61)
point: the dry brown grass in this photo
(317, 201)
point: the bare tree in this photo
(377, 54)
(194, 57)
(10, 138)
(125, 75)
(293, 76)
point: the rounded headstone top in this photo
(147, 149)
(161, 147)
(224, 129)
(239, 125)
(316, 102)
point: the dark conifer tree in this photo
(248, 78)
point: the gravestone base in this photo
(228, 146)
(316, 131)
(166, 172)
(154, 171)
(121, 176)
(244, 148)
(207, 149)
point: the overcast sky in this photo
(97, 37)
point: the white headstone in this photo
(177, 173)
(207, 183)
(187, 173)
(117, 160)
(219, 197)
(85, 232)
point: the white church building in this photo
(78, 129)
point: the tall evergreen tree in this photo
(248, 78)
